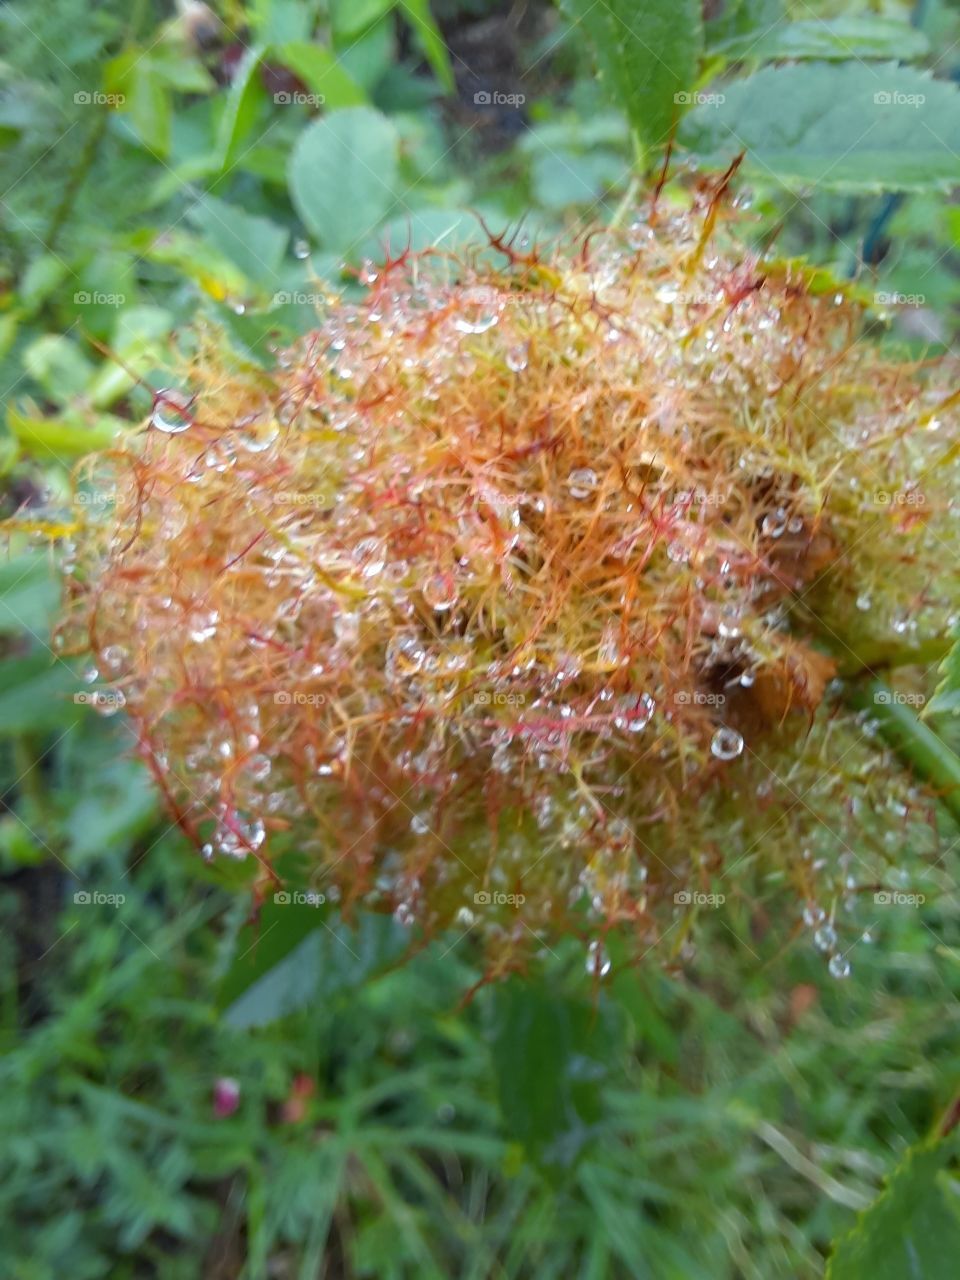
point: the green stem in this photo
(77, 177)
(627, 203)
(917, 744)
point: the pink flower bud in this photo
(226, 1096)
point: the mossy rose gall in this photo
(509, 599)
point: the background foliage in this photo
(730, 1119)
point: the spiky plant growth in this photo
(511, 596)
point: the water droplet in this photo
(115, 658)
(813, 915)
(677, 552)
(259, 767)
(864, 602)
(440, 592)
(609, 652)
(203, 626)
(726, 744)
(581, 482)
(419, 824)
(475, 321)
(774, 524)
(301, 249)
(107, 702)
(634, 714)
(598, 962)
(517, 358)
(404, 914)
(404, 658)
(728, 625)
(260, 436)
(839, 966)
(370, 555)
(825, 939)
(747, 679)
(171, 411)
(238, 840)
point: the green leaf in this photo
(946, 699)
(145, 96)
(417, 13)
(254, 244)
(297, 954)
(59, 366)
(343, 171)
(352, 17)
(181, 72)
(28, 594)
(204, 263)
(136, 339)
(116, 804)
(444, 229)
(244, 102)
(740, 18)
(36, 693)
(648, 51)
(322, 73)
(42, 277)
(67, 437)
(848, 127)
(912, 1231)
(369, 57)
(562, 177)
(838, 38)
(276, 21)
(550, 1054)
